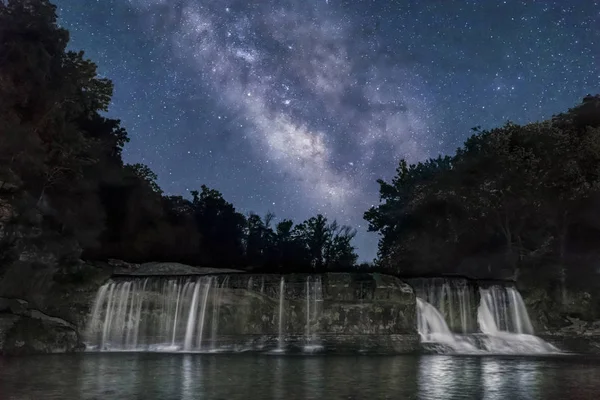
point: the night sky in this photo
(299, 106)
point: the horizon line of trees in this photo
(518, 201)
(65, 156)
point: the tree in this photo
(519, 191)
(327, 246)
(290, 250)
(66, 155)
(260, 242)
(48, 92)
(221, 228)
(413, 206)
(498, 173)
(145, 173)
(339, 252)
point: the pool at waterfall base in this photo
(157, 376)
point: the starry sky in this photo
(299, 106)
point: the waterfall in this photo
(433, 329)
(502, 310)
(453, 298)
(144, 314)
(217, 310)
(189, 331)
(313, 298)
(280, 344)
(205, 314)
(503, 324)
(270, 312)
(175, 317)
(307, 310)
(207, 287)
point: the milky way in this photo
(297, 107)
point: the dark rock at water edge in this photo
(24, 336)
(579, 344)
(30, 331)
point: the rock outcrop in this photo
(163, 268)
(29, 331)
(573, 326)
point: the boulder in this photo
(30, 331)
(24, 335)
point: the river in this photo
(153, 376)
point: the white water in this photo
(502, 309)
(143, 313)
(307, 310)
(201, 320)
(217, 310)
(314, 297)
(189, 330)
(184, 314)
(453, 298)
(503, 322)
(280, 344)
(433, 328)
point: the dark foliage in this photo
(513, 202)
(55, 138)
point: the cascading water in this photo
(217, 310)
(433, 329)
(503, 325)
(152, 314)
(280, 338)
(455, 299)
(314, 297)
(307, 310)
(502, 310)
(205, 313)
(269, 312)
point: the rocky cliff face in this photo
(572, 326)
(36, 311)
(24, 330)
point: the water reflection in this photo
(443, 377)
(504, 374)
(314, 377)
(193, 376)
(186, 381)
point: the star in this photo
(307, 106)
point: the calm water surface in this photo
(195, 376)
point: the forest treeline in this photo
(518, 201)
(66, 155)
